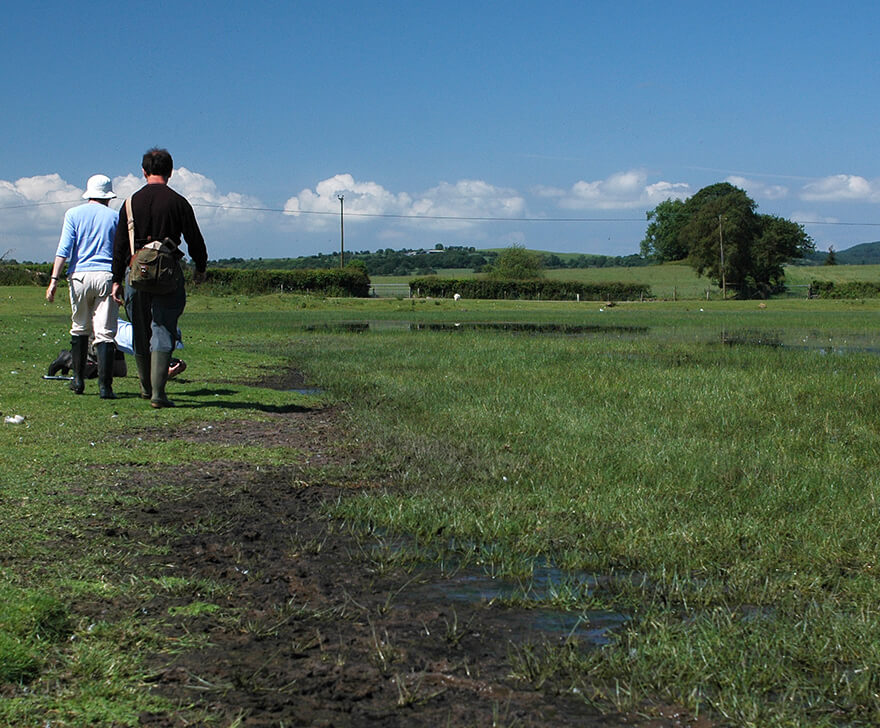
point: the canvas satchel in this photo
(154, 267)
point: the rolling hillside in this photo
(862, 254)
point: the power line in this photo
(400, 216)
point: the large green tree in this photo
(723, 237)
(722, 224)
(661, 240)
(517, 263)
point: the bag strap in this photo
(130, 216)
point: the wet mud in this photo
(306, 628)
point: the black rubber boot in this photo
(79, 350)
(143, 366)
(106, 352)
(159, 361)
(62, 364)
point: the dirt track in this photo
(321, 637)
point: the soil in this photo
(319, 636)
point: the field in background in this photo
(669, 281)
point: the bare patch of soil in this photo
(308, 631)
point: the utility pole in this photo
(723, 277)
(341, 231)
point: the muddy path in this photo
(308, 630)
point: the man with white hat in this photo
(87, 242)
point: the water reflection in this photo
(842, 345)
(473, 585)
(358, 327)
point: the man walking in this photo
(159, 213)
(87, 238)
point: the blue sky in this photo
(554, 126)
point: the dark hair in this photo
(158, 161)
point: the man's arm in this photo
(195, 243)
(121, 248)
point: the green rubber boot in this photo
(143, 366)
(159, 361)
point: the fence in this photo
(389, 290)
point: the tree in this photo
(780, 241)
(720, 222)
(832, 257)
(517, 263)
(661, 242)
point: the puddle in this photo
(474, 585)
(531, 328)
(359, 327)
(751, 338)
(819, 344)
(522, 609)
(310, 391)
(346, 328)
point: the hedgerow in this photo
(852, 289)
(350, 281)
(18, 274)
(538, 289)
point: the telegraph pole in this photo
(341, 231)
(723, 277)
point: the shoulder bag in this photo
(154, 267)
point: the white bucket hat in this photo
(99, 187)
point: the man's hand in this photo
(198, 276)
(117, 293)
(50, 291)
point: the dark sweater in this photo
(159, 212)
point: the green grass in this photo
(804, 275)
(735, 483)
(59, 469)
(718, 468)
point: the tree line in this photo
(409, 261)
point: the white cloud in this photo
(623, 190)
(757, 189)
(211, 206)
(31, 211)
(319, 208)
(32, 208)
(841, 188)
(470, 198)
(41, 197)
(363, 200)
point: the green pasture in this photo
(713, 463)
(679, 281)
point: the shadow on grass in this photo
(213, 399)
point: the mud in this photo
(308, 629)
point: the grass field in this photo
(674, 280)
(713, 464)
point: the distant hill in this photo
(861, 254)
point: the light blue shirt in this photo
(87, 238)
